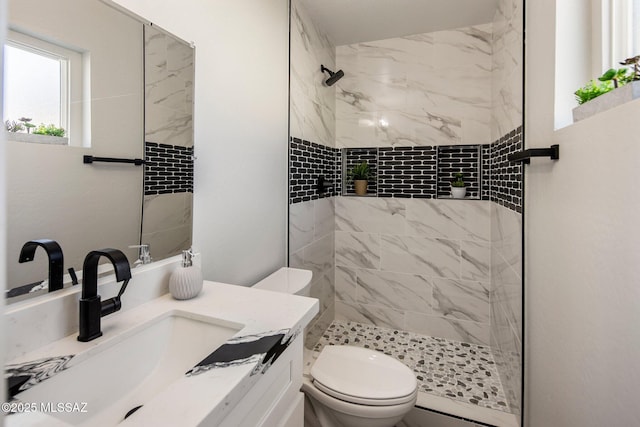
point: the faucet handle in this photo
(144, 254)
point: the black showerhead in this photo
(333, 77)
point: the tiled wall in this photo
(506, 191)
(312, 110)
(308, 162)
(312, 130)
(167, 169)
(415, 264)
(168, 181)
(506, 176)
(424, 89)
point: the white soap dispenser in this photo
(186, 281)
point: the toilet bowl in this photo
(288, 280)
(357, 387)
(350, 386)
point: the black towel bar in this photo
(91, 159)
(525, 156)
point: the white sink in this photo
(128, 370)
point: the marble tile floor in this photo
(445, 368)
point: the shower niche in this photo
(419, 171)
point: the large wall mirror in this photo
(120, 88)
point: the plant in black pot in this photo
(458, 187)
(359, 175)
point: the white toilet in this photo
(358, 387)
(288, 280)
(351, 386)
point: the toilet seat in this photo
(362, 376)
(361, 401)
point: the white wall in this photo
(582, 283)
(241, 129)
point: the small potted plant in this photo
(360, 175)
(458, 188)
(619, 86)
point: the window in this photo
(620, 31)
(43, 83)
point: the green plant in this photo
(592, 90)
(617, 77)
(609, 80)
(49, 130)
(359, 171)
(458, 181)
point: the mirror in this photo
(134, 101)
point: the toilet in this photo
(350, 386)
(288, 280)
(357, 387)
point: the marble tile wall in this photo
(421, 265)
(312, 127)
(424, 89)
(168, 200)
(312, 109)
(311, 246)
(169, 75)
(506, 192)
(507, 68)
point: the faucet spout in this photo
(92, 309)
(56, 259)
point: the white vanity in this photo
(230, 357)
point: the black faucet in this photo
(91, 308)
(56, 259)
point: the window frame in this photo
(616, 35)
(71, 79)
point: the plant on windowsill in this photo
(51, 130)
(21, 131)
(458, 187)
(613, 88)
(359, 175)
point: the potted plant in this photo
(619, 86)
(458, 187)
(360, 175)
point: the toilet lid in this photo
(361, 375)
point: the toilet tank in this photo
(288, 280)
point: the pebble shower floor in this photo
(460, 371)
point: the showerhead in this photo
(333, 77)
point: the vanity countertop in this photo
(214, 391)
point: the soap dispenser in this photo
(186, 281)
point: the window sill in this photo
(609, 100)
(37, 139)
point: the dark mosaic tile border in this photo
(407, 172)
(168, 169)
(486, 172)
(506, 177)
(411, 172)
(307, 162)
(452, 369)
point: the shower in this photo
(333, 77)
